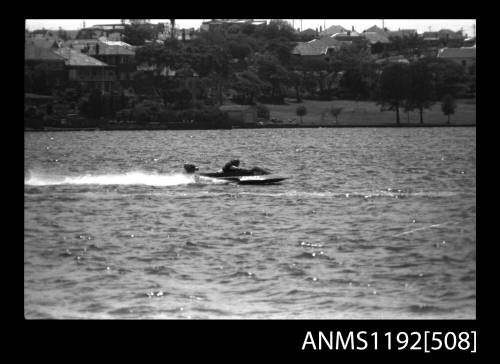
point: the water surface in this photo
(373, 223)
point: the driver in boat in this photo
(190, 168)
(232, 166)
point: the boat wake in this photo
(130, 178)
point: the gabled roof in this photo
(76, 58)
(333, 30)
(316, 47)
(349, 35)
(45, 42)
(375, 29)
(32, 52)
(463, 52)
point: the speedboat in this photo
(254, 176)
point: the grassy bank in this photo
(367, 112)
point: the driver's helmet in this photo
(190, 168)
(235, 162)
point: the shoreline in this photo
(277, 126)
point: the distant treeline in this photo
(256, 65)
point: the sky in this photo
(421, 25)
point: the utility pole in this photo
(383, 25)
(300, 24)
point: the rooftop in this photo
(375, 29)
(35, 53)
(316, 47)
(76, 58)
(106, 47)
(463, 52)
(333, 30)
(373, 37)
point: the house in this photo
(45, 42)
(53, 64)
(374, 38)
(470, 42)
(114, 32)
(448, 34)
(376, 41)
(88, 71)
(376, 29)
(347, 36)
(317, 48)
(34, 55)
(240, 114)
(165, 33)
(119, 54)
(465, 56)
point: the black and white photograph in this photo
(250, 169)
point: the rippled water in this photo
(373, 223)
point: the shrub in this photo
(448, 106)
(301, 111)
(146, 111)
(335, 112)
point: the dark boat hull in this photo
(246, 179)
(260, 180)
(254, 176)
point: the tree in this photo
(335, 112)
(295, 79)
(270, 69)
(301, 111)
(172, 28)
(448, 106)
(421, 90)
(138, 32)
(447, 77)
(394, 87)
(315, 71)
(407, 108)
(248, 85)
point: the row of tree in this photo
(417, 86)
(256, 64)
